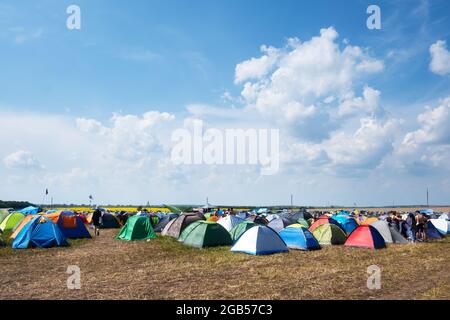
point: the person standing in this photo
(411, 227)
(96, 221)
(421, 222)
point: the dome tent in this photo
(443, 226)
(164, 221)
(229, 222)
(365, 236)
(3, 214)
(30, 210)
(39, 232)
(329, 233)
(346, 223)
(298, 237)
(70, 224)
(432, 231)
(176, 226)
(278, 224)
(11, 221)
(322, 220)
(137, 228)
(242, 227)
(260, 240)
(213, 219)
(303, 222)
(109, 221)
(201, 234)
(444, 216)
(389, 234)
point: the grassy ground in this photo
(165, 269)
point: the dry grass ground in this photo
(165, 269)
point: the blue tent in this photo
(427, 211)
(299, 238)
(30, 210)
(432, 232)
(72, 226)
(39, 232)
(345, 223)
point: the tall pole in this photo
(292, 200)
(428, 204)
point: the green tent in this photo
(329, 233)
(303, 222)
(173, 209)
(11, 221)
(3, 214)
(188, 230)
(206, 234)
(239, 229)
(154, 220)
(137, 228)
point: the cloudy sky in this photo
(363, 115)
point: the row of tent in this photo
(277, 235)
(43, 230)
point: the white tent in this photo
(260, 240)
(442, 225)
(445, 216)
(229, 222)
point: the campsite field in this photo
(165, 269)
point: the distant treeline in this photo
(15, 204)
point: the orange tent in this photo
(369, 220)
(213, 219)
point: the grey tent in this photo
(176, 226)
(389, 234)
(164, 221)
(278, 224)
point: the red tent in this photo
(322, 220)
(365, 236)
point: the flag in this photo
(90, 197)
(46, 191)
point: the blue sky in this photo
(131, 58)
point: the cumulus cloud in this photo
(289, 85)
(367, 104)
(440, 58)
(434, 126)
(256, 68)
(89, 125)
(22, 159)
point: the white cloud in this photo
(22, 159)
(434, 126)
(365, 148)
(440, 58)
(367, 104)
(290, 84)
(256, 68)
(89, 125)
